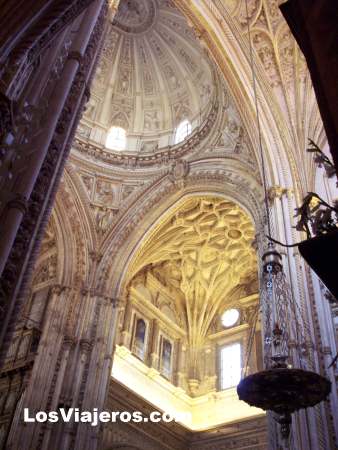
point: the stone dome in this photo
(153, 74)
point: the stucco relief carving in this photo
(179, 171)
(242, 14)
(110, 44)
(49, 240)
(181, 110)
(84, 131)
(149, 146)
(152, 121)
(90, 108)
(46, 270)
(106, 192)
(101, 72)
(104, 218)
(172, 79)
(266, 53)
(127, 190)
(121, 118)
(88, 182)
(67, 208)
(124, 81)
(283, 68)
(190, 63)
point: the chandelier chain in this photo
(254, 85)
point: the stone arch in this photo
(124, 241)
(75, 234)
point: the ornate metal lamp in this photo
(286, 385)
(282, 387)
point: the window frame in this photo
(123, 139)
(221, 386)
(135, 317)
(162, 337)
(180, 136)
(236, 323)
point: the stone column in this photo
(20, 263)
(41, 142)
(68, 344)
(69, 371)
(36, 395)
(99, 370)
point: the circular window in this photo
(230, 317)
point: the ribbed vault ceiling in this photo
(203, 252)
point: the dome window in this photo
(116, 139)
(183, 130)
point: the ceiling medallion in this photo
(135, 16)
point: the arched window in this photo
(183, 130)
(116, 139)
(230, 365)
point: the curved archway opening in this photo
(197, 262)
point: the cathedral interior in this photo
(149, 149)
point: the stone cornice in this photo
(138, 160)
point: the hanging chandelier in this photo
(285, 386)
(287, 383)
